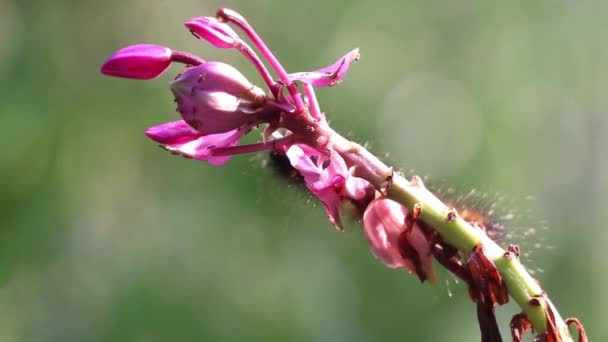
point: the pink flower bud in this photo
(393, 242)
(140, 62)
(214, 31)
(215, 98)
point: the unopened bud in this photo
(214, 98)
(140, 62)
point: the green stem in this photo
(455, 231)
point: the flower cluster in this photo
(218, 106)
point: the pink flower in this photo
(329, 179)
(393, 242)
(180, 138)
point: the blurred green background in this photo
(105, 237)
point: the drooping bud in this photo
(395, 242)
(212, 30)
(215, 98)
(140, 62)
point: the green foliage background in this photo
(105, 237)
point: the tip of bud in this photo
(140, 62)
(214, 31)
(172, 132)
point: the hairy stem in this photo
(452, 228)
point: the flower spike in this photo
(405, 225)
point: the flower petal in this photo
(328, 76)
(174, 132)
(140, 62)
(214, 31)
(333, 206)
(300, 160)
(179, 138)
(357, 188)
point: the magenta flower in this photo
(395, 242)
(329, 179)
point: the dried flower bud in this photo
(140, 62)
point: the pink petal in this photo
(357, 188)
(333, 206)
(173, 132)
(337, 165)
(141, 62)
(214, 31)
(302, 162)
(179, 138)
(328, 76)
